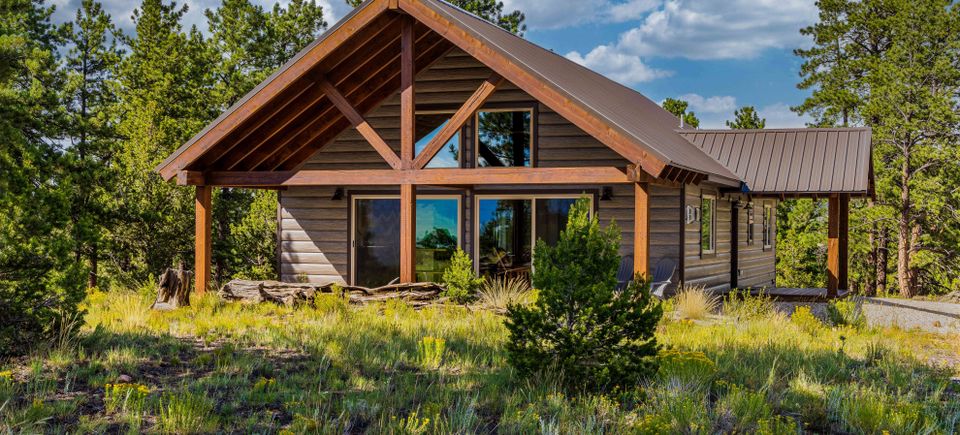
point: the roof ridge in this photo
(768, 130)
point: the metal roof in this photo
(622, 108)
(793, 161)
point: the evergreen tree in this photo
(37, 277)
(892, 65)
(597, 336)
(679, 109)
(490, 10)
(746, 118)
(90, 95)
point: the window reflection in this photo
(504, 138)
(428, 125)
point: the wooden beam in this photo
(610, 135)
(641, 229)
(438, 176)
(833, 245)
(288, 77)
(408, 236)
(361, 124)
(844, 242)
(190, 178)
(407, 101)
(462, 115)
(202, 238)
(637, 174)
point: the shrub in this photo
(742, 411)
(186, 412)
(846, 312)
(695, 303)
(686, 367)
(743, 305)
(126, 398)
(805, 320)
(581, 325)
(499, 293)
(460, 280)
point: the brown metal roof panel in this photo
(776, 161)
(843, 179)
(831, 156)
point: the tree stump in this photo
(174, 289)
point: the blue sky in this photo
(716, 54)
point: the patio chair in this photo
(662, 275)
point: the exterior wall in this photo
(314, 229)
(756, 265)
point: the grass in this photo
(329, 367)
(695, 303)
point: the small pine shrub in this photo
(460, 280)
(581, 326)
(805, 320)
(695, 303)
(743, 305)
(430, 352)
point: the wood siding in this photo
(314, 229)
(757, 264)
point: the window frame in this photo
(751, 221)
(767, 227)
(351, 224)
(712, 197)
(533, 197)
(460, 140)
(499, 109)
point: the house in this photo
(412, 127)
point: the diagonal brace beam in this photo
(458, 119)
(361, 124)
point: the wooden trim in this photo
(641, 229)
(361, 124)
(607, 134)
(407, 94)
(437, 176)
(190, 178)
(278, 84)
(458, 119)
(708, 253)
(833, 246)
(683, 235)
(844, 229)
(202, 237)
(408, 236)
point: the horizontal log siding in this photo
(757, 266)
(315, 231)
(709, 270)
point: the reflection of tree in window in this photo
(503, 138)
(504, 235)
(427, 126)
(439, 238)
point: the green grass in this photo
(390, 369)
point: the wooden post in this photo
(202, 239)
(641, 229)
(844, 229)
(833, 246)
(407, 104)
(408, 227)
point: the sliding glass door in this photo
(508, 227)
(376, 238)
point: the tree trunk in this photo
(882, 255)
(904, 233)
(92, 274)
(174, 289)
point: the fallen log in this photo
(284, 293)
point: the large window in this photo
(708, 224)
(508, 227)
(504, 137)
(767, 226)
(438, 229)
(428, 124)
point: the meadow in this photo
(387, 368)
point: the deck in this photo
(795, 294)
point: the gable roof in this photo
(624, 120)
(793, 161)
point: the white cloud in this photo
(553, 14)
(623, 68)
(630, 10)
(779, 115)
(714, 104)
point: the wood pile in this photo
(417, 294)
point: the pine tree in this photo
(90, 96)
(596, 336)
(491, 10)
(746, 118)
(679, 109)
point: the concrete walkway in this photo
(930, 316)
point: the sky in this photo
(716, 54)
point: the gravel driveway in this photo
(942, 317)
